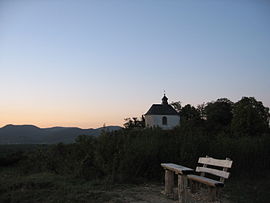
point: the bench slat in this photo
(212, 171)
(215, 162)
(178, 169)
(207, 181)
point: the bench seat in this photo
(207, 181)
(177, 169)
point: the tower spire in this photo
(164, 99)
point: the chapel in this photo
(162, 115)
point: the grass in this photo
(248, 190)
(13, 148)
(48, 187)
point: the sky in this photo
(87, 63)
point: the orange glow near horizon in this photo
(73, 117)
(85, 124)
(45, 118)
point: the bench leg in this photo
(194, 186)
(169, 182)
(219, 192)
(212, 193)
(182, 187)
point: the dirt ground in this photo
(149, 193)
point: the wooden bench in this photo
(214, 186)
(182, 172)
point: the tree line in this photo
(246, 117)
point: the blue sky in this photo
(86, 63)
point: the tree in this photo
(219, 113)
(134, 122)
(201, 110)
(176, 105)
(189, 113)
(250, 117)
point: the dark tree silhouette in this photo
(219, 113)
(250, 117)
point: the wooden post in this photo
(194, 186)
(182, 187)
(218, 196)
(169, 182)
(212, 193)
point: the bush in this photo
(130, 155)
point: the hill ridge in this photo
(31, 134)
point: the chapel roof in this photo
(162, 109)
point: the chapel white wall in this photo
(156, 120)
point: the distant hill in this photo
(30, 134)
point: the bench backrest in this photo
(209, 161)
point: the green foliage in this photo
(130, 155)
(134, 122)
(219, 114)
(248, 190)
(49, 187)
(190, 115)
(250, 117)
(177, 106)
